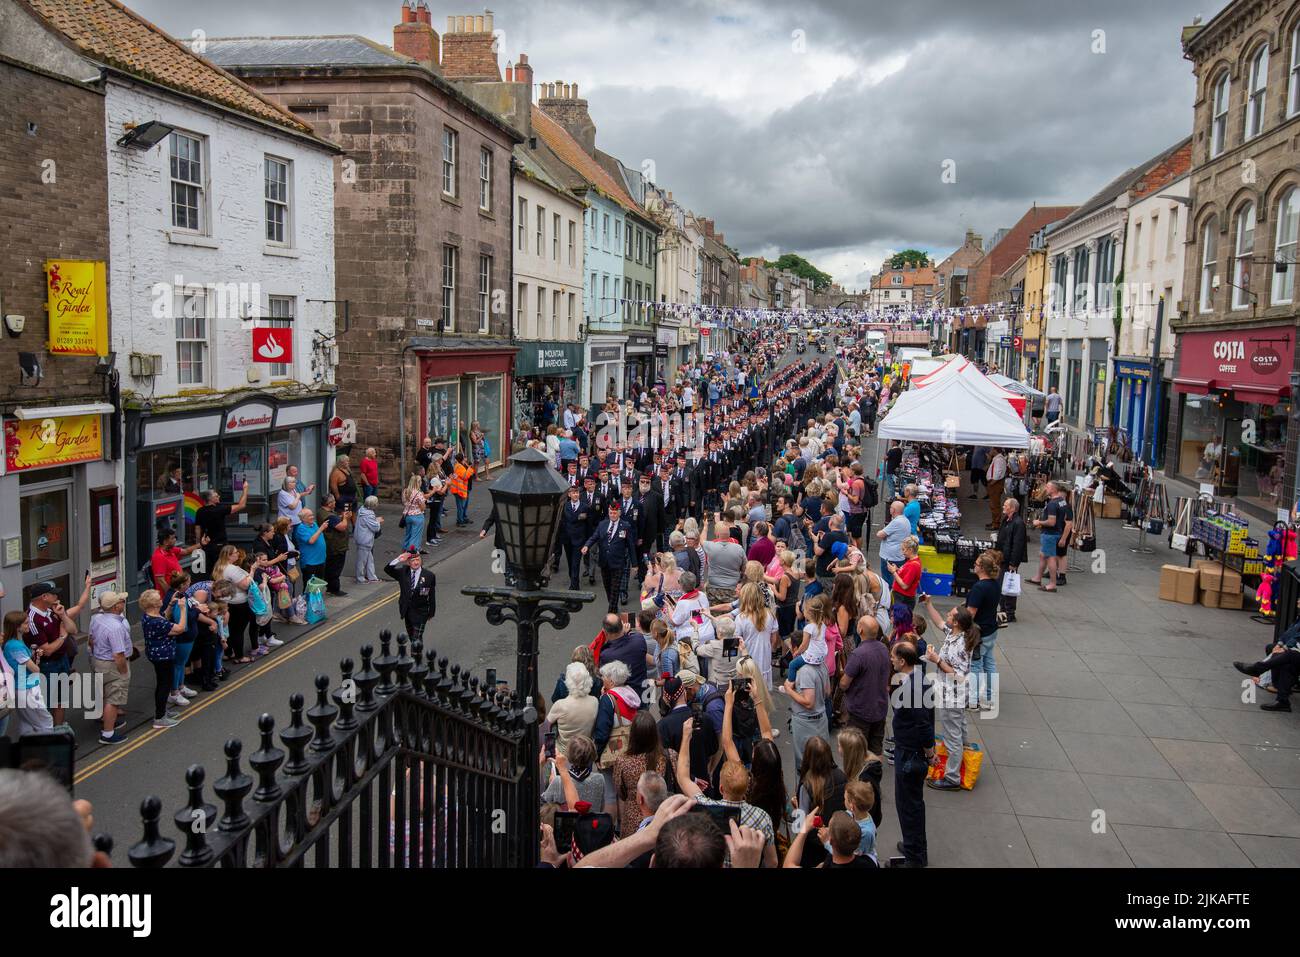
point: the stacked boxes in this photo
(1219, 587)
(1178, 584)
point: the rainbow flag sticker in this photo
(191, 506)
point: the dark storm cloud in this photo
(1011, 91)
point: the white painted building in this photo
(548, 260)
(221, 240)
(1156, 242)
(1085, 258)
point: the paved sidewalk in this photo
(139, 714)
(1121, 737)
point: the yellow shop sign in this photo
(77, 302)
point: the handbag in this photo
(401, 522)
(1011, 584)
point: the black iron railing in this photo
(404, 764)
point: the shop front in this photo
(61, 514)
(461, 388)
(1029, 361)
(604, 369)
(688, 338)
(545, 370)
(667, 354)
(1233, 414)
(174, 458)
(638, 366)
(1134, 393)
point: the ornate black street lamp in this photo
(527, 500)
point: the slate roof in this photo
(570, 152)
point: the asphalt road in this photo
(116, 779)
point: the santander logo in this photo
(270, 349)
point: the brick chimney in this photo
(524, 73)
(560, 102)
(414, 36)
(469, 49)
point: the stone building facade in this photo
(1235, 368)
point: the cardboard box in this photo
(1235, 600)
(1178, 584)
(1111, 507)
(1214, 577)
(1222, 599)
(1231, 585)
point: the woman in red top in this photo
(908, 576)
(370, 472)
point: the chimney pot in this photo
(489, 19)
(510, 73)
(575, 91)
(478, 25)
(451, 24)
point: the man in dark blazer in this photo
(575, 529)
(654, 521)
(630, 506)
(594, 503)
(417, 601)
(913, 750)
(616, 541)
(1012, 544)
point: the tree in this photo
(803, 268)
(909, 257)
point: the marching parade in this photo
(910, 550)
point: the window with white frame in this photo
(521, 304)
(523, 222)
(541, 230)
(1219, 115)
(1209, 261)
(592, 294)
(554, 333)
(485, 179)
(1255, 93)
(484, 292)
(1171, 242)
(603, 304)
(1137, 243)
(541, 308)
(276, 188)
(573, 302)
(604, 231)
(448, 288)
(1293, 85)
(188, 186)
(280, 314)
(627, 300)
(555, 236)
(896, 280)
(450, 159)
(1106, 271)
(640, 244)
(192, 338)
(1081, 285)
(1155, 236)
(573, 243)
(627, 252)
(1244, 250)
(1288, 232)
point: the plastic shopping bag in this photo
(972, 759)
(315, 600)
(1011, 584)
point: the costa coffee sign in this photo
(1239, 358)
(249, 417)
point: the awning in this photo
(1192, 386)
(58, 411)
(1261, 395)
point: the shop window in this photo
(1263, 457)
(1074, 369)
(1200, 451)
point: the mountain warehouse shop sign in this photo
(249, 417)
(548, 358)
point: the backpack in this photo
(871, 493)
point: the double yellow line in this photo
(291, 651)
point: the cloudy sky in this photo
(824, 127)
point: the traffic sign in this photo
(1005, 341)
(335, 435)
(1017, 343)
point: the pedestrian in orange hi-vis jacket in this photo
(461, 474)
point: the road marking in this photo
(296, 649)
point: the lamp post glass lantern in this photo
(527, 499)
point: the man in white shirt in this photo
(570, 417)
(688, 398)
(995, 477)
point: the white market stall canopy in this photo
(954, 411)
(960, 367)
(924, 366)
